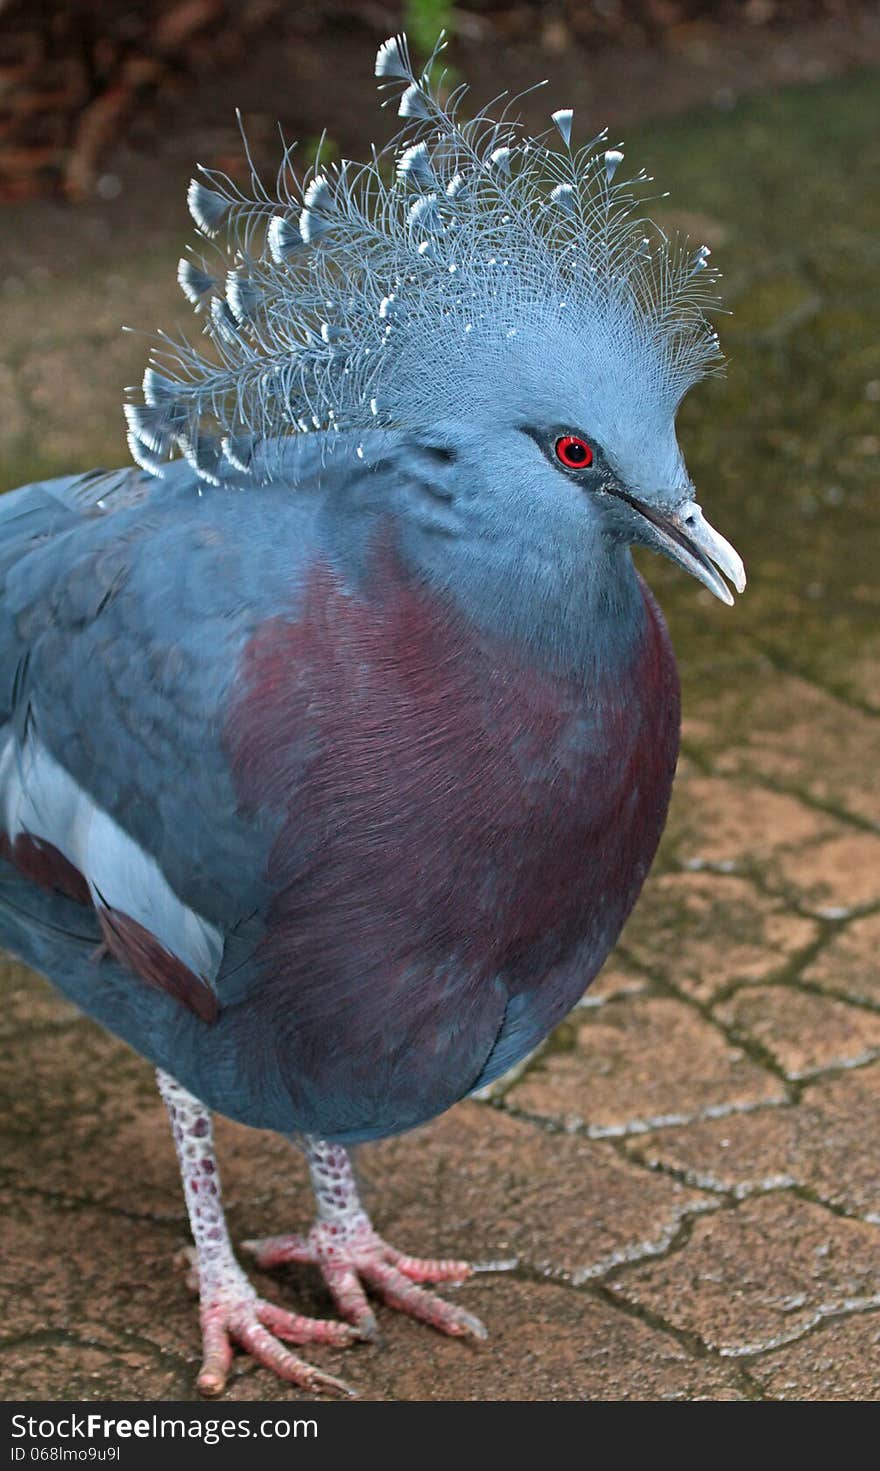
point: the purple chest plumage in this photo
(458, 833)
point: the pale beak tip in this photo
(719, 550)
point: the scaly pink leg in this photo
(349, 1254)
(229, 1308)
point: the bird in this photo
(339, 729)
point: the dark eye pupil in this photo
(574, 452)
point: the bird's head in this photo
(470, 276)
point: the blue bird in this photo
(339, 734)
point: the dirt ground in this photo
(687, 1174)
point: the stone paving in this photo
(687, 1173)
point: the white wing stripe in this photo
(37, 796)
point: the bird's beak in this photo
(686, 537)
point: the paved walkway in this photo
(688, 1173)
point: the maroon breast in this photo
(446, 815)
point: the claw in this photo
(400, 1291)
(220, 1329)
(244, 1327)
(247, 1324)
(355, 1257)
(236, 1315)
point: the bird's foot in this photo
(351, 1255)
(231, 1312)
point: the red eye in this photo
(574, 452)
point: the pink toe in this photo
(418, 1269)
(294, 1328)
(260, 1343)
(400, 1293)
(216, 1354)
(274, 1251)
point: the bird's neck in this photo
(572, 607)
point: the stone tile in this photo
(837, 1128)
(742, 1153)
(753, 1277)
(837, 1362)
(61, 1369)
(826, 1143)
(805, 1033)
(717, 821)
(848, 965)
(90, 1273)
(646, 1062)
(59, 1086)
(841, 874)
(791, 733)
(702, 931)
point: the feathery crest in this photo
(462, 254)
(563, 118)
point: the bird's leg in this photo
(229, 1307)
(350, 1255)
